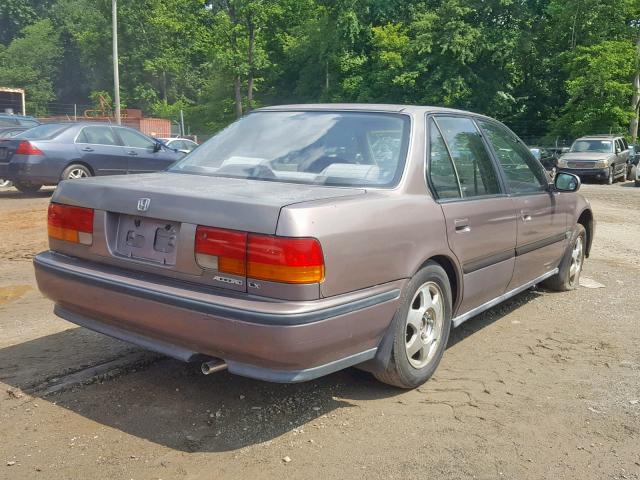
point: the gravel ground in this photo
(546, 385)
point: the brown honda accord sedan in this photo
(305, 239)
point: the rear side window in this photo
(441, 171)
(524, 174)
(135, 139)
(476, 172)
(97, 135)
(43, 132)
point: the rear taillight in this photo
(286, 260)
(262, 257)
(222, 250)
(69, 223)
(26, 148)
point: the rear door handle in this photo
(462, 225)
(131, 152)
(525, 215)
(87, 149)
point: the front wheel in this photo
(27, 188)
(421, 329)
(568, 276)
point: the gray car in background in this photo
(598, 157)
(52, 152)
(305, 239)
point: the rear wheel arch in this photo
(453, 273)
(586, 220)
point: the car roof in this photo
(600, 137)
(365, 107)
(11, 115)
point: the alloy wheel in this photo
(77, 173)
(424, 323)
(576, 260)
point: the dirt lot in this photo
(546, 385)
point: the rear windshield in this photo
(602, 146)
(322, 148)
(43, 132)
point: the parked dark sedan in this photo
(10, 120)
(52, 152)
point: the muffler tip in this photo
(213, 366)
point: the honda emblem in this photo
(143, 204)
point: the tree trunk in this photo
(238, 84)
(635, 101)
(252, 41)
(164, 86)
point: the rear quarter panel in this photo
(369, 239)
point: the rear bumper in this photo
(31, 169)
(281, 341)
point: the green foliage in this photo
(599, 88)
(30, 62)
(545, 67)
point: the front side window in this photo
(134, 139)
(475, 169)
(440, 166)
(98, 135)
(524, 174)
(321, 148)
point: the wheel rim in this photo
(424, 323)
(77, 173)
(576, 260)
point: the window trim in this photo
(544, 188)
(499, 174)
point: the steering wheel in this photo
(319, 164)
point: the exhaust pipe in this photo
(212, 366)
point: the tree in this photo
(30, 62)
(599, 89)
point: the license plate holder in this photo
(147, 239)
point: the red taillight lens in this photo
(222, 250)
(73, 224)
(287, 260)
(26, 148)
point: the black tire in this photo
(611, 177)
(400, 372)
(564, 280)
(27, 188)
(74, 171)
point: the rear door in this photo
(480, 217)
(542, 216)
(142, 154)
(98, 146)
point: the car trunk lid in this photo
(237, 204)
(148, 222)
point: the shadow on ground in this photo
(173, 404)
(13, 193)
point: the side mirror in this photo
(157, 147)
(566, 182)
